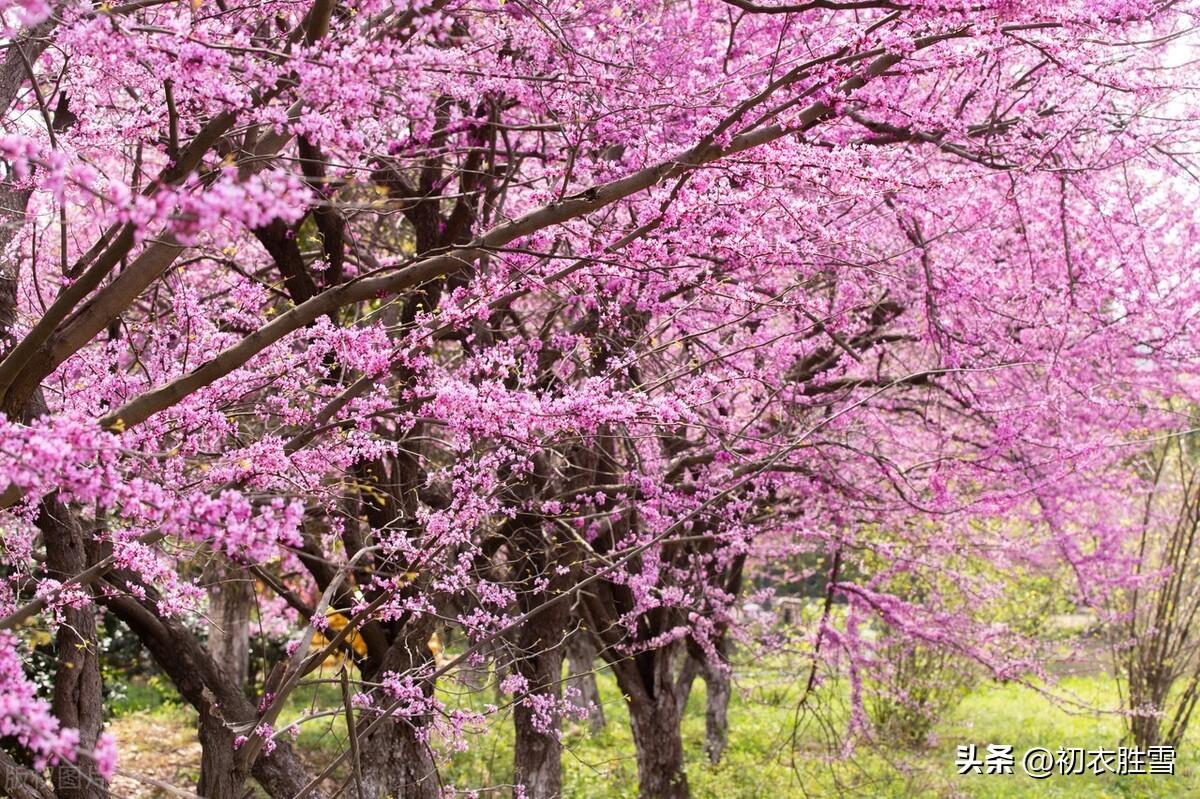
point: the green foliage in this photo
(138, 694)
(917, 688)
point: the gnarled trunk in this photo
(220, 775)
(395, 759)
(78, 692)
(656, 698)
(656, 735)
(221, 705)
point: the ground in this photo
(157, 743)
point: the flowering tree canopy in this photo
(532, 319)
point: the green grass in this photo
(761, 760)
(1023, 717)
(764, 759)
(140, 694)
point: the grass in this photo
(1019, 715)
(762, 759)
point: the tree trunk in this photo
(78, 697)
(582, 690)
(656, 698)
(539, 646)
(20, 782)
(537, 752)
(397, 762)
(231, 600)
(659, 744)
(716, 715)
(220, 776)
(718, 690)
(221, 705)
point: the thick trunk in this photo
(220, 776)
(659, 744)
(1148, 689)
(78, 699)
(231, 600)
(656, 697)
(397, 763)
(281, 773)
(395, 760)
(654, 692)
(537, 753)
(582, 690)
(539, 646)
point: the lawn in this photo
(762, 760)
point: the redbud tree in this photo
(520, 321)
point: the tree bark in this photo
(654, 693)
(396, 761)
(716, 715)
(221, 705)
(231, 599)
(537, 753)
(220, 776)
(78, 700)
(718, 690)
(540, 574)
(656, 735)
(19, 782)
(582, 690)
(656, 701)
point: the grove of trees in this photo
(491, 342)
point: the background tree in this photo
(1154, 638)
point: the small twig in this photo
(356, 760)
